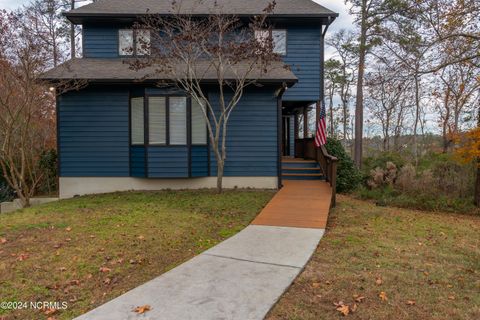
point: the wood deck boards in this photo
(300, 203)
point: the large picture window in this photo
(137, 121)
(157, 120)
(199, 124)
(167, 121)
(178, 120)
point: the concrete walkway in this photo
(240, 278)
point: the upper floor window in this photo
(279, 38)
(133, 42)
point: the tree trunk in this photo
(477, 185)
(417, 116)
(359, 98)
(220, 166)
(72, 33)
(345, 125)
(359, 111)
(331, 115)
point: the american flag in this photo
(321, 135)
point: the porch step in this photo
(300, 169)
(299, 164)
(302, 176)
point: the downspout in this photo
(279, 133)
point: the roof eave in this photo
(52, 80)
(79, 17)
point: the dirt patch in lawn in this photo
(386, 263)
(88, 250)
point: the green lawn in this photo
(426, 264)
(86, 251)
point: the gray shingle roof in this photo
(306, 8)
(118, 70)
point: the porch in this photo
(299, 204)
(301, 159)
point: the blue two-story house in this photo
(117, 133)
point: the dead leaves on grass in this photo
(105, 269)
(383, 296)
(411, 302)
(3, 240)
(142, 309)
(346, 309)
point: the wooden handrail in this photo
(328, 163)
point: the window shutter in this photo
(178, 120)
(157, 121)
(199, 125)
(137, 124)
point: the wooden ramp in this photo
(300, 203)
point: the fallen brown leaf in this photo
(379, 281)
(105, 269)
(410, 302)
(141, 238)
(142, 309)
(316, 284)
(3, 240)
(343, 309)
(22, 257)
(354, 307)
(358, 298)
(68, 228)
(383, 296)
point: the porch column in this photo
(305, 130)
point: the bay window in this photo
(167, 121)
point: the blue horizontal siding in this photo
(92, 144)
(199, 161)
(252, 147)
(303, 57)
(137, 161)
(100, 42)
(168, 162)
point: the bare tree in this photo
(187, 49)
(347, 50)
(387, 92)
(333, 80)
(369, 16)
(460, 90)
(27, 107)
(43, 18)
